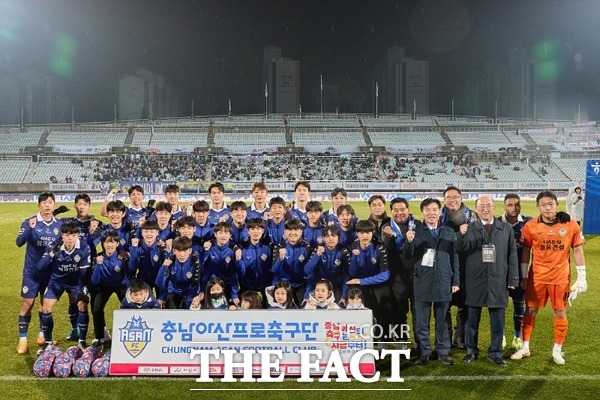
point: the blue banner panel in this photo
(591, 211)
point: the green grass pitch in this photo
(536, 377)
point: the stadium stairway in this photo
(30, 172)
(446, 137)
(129, 137)
(366, 136)
(44, 138)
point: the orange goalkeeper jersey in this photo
(551, 246)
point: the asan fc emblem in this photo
(55, 231)
(562, 231)
(373, 261)
(117, 269)
(301, 258)
(25, 289)
(155, 258)
(227, 260)
(77, 258)
(122, 242)
(188, 275)
(337, 262)
(320, 239)
(263, 257)
(135, 336)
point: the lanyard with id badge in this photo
(488, 251)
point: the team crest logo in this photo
(263, 257)
(117, 269)
(188, 275)
(77, 258)
(135, 336)
(55, 231)
(227, 260)
(320, 239)
(301, 258)
(25, 289)
(337, 262)
(122, 242)
(562, 231)
(373, 261)
(155, 258)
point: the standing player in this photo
(346, 216)
(135, 213)
(298, 204)
(275, 226)
(68, 260)
(172, 193)
(512, 216)
(219, 211)
(38, 232)
(338, 198)
(550, 242)
(239, 232)
(313, 231)
(259, 208)
(204, 230)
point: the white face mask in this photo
(354, 306)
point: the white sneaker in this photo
(558, 357)
(519, 354)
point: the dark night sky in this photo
(211, 50)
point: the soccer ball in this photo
(81, 367)
(94, 351)
(57, 351)
(107, 355)
(100, 367)
(74, 352)
(47, 356)
(42, 368)
(62, 368)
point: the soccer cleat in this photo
(519, 354)
(45, 347)
(73, 335)
(558, 357)
(23, 347)
(40, 339)
(517, 343)
(82, 345)
(107, 337)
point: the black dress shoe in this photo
(446, 359)
(433, 356)
(469, 358)
(421, 360)
(499, 361)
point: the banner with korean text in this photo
(151, 342)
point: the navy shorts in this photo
(55, 289)
(32, 285)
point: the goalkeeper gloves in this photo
(580, 285)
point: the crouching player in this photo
(69, 260)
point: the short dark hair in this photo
(364, 225)
(149, 225)
(345, 207)
(337, 191)
(449, 188)
(223, 226)
(306, 184)
(399, 200)
(83, 196)
(163, 206)
(511, 196)
(217, 185)
(255, 223)
(137, 285)
(45, 196)
(69, 227)
(201, 206)
(314, 205)
(252, 297)
(186, 220)
(260, 186)
(135, 188)
(331, 230)
(182, 243)
(428, 201)
(325, 282)
(376, 197)
(110, 236)
(354, 293)
(277, 200)
(546, 193)
(116, 205)
(238, 205)
(293, 224)
(172, 188)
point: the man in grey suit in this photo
(491, 269)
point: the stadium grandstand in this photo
(475, 152)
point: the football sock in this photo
(24, 326)
(561, 327)
(83, 320)
(528, 324)
(73, 311)
(47, 325)
(519, 312)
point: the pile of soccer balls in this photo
(80, 363)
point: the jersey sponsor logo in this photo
(135, 335)
(550, 232)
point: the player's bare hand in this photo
(455, 289)
(99, 260)
(523, 283)
(32, 222)
(320, 250)
(236, 302)
(93, 226)
(207, 245)
(135, 242)
(167, 262)
(161, 304)
(238, 254)
(410, 236)
(282, 253)
(169, 245)
(224, 218)
(354, 281)
(123, 254)
(356, 252)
